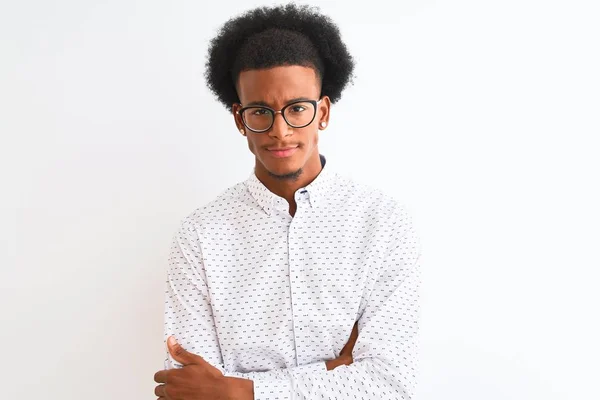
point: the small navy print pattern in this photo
(266, 296)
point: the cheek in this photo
(251, 146)
(254, 143)
(314, 137)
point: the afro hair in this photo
(268, 37)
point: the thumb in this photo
(180, 354)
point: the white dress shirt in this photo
(262, 295)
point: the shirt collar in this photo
(318, 190)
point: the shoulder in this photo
(221, 207)
(388, 208)
(369, 194)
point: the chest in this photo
(317, 254)
(279, 280)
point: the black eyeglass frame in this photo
(315, 103)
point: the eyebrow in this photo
(262, 103)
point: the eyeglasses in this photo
(297, 114)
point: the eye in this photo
(260, 111)
(297, 108)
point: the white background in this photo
(482, 117)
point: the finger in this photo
(161, 376)
(354, 334)
(178, 352)
(160, 391)
(349, 346)
(182, 355)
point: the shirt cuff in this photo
(277, 389)
(272, 389)
(319, 366)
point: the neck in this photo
(287, 187)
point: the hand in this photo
(347, 350)
(345, 357)
(196, 380)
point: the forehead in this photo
(278, 85)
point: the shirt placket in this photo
(296, 262)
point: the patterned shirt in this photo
(262, 295)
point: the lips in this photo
(281, 148)
(282, 152)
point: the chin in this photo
(282, 167)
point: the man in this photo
(297, 283)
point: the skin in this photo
(199, 380)
(196, 380)
(274, 87)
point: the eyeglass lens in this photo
(297, 115)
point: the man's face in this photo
(276, 87)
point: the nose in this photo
(280, 128)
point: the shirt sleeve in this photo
(385, 356)
(188, 312)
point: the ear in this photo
(236, 117)
(323, 111)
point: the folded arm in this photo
(187, 299)
(385, 354)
